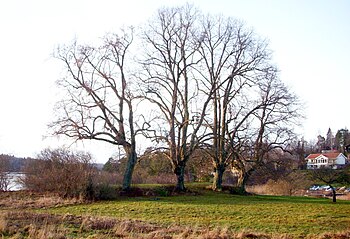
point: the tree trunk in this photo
(242, 181)
(180, 174)
(334, 194)
(130, 165)
(218, 175)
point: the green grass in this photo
(297, 216)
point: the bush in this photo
(237, 191)
(106, 192)
(69, 174)
(105, 185)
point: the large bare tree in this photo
(234, 60)
(171, 42)
(98, 104)
(272, 126)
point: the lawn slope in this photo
(297, 216)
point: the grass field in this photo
(298, 216)
(210, 212)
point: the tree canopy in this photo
(206, 81)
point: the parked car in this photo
(314, 188)
(326, 188)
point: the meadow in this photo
(206, 211)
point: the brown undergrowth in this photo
(31, 200)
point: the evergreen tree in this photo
(342, 139)
(329, 144)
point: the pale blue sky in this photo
(310, 40)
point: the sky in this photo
(309, 39)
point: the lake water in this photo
(14, 184)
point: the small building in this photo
(326, 159)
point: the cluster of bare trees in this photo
(206, 81)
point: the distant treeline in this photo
(13, 163)
(10, 163)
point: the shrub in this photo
(106, 192)
(105, 184)
(237, 191)
(69, 174)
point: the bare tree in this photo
(234, 60)
(172, 42)
(272, 127)
(330, 177)
(99, 101)
(4, 170)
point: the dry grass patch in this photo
(3, 224)
(338, 235)
(31, 200)
(17, 225)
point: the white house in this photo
(327, 159)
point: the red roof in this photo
(313, 156)
(328, 155)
